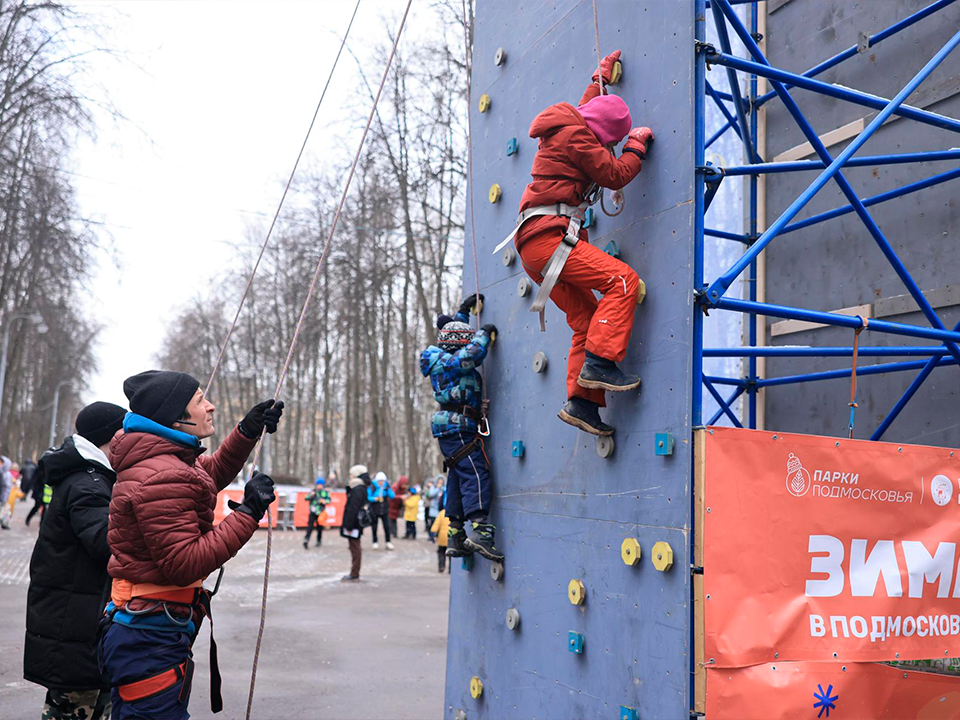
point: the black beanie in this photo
(98, 422)
(160, 395)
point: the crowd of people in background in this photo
(378, 504)
(19, 483)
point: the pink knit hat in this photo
(608, 116)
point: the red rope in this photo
(296, 336)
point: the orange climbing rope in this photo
(296, 336)
(853, 375)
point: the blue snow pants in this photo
(130, 654)
(468, 482)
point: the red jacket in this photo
(161, 515)
(568, 160)
(395, 504)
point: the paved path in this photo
(374, 649)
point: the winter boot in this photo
(457, 543)
(599, 373)
(482, 541)
(306, 544)
(585, 415)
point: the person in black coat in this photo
(351, 528)
(69, 584)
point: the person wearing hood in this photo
(574, 158)
(395, 503)
(354, 514)
(317, 500)
(379, 495)
(163, 540)
(69, 584)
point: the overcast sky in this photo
(218, 96)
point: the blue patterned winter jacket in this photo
(455, 380)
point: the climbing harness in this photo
(449, 462)
(181, 606)
(276, 215)
(554, 266)
(853, 374)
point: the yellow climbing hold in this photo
(641, 291)
(576, 592)
(476, 687)
(477, 307)
(484, 103)
(662, 556)
(616, 73)
(495, 192)
(630, 551)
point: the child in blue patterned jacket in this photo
(452, 365)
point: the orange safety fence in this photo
(331, 517)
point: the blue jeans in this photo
(130, 654)
(468, 482)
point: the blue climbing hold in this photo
(575, 642)
(518, 449)
(612, 249)
(512, 146)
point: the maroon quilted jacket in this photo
(161, 515)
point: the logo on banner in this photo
(798, 478)
(941, 489)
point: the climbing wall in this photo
(563, 512)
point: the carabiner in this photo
(178, 623)
(483, 428)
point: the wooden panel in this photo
(787, 327)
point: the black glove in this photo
(257, 495)
(266, 414)
(490, 329)
(468, 302)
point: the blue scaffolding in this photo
(741, 116)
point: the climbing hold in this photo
(589, 218)
(605, 446)
(476, 687)
(509, 256)
(616, 73)
(500, 56)
(495, 192)
(626, 713)
(496, 571)
(518, 448)
(513, 618)
(460, 715)
(576, 592)
(641, 290)
(662, 556)
(539, 362)
(523, 287)
(664, 443)
(612, 249)
(467, 563)
(512, 146)
(575, 642)
(477, 307)
(630, 551)
(484, 104)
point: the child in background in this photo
(440, 528)
(411, 507)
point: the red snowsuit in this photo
(568, 160)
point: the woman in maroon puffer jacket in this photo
(162, 539)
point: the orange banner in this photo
(332, 514)
(787, 691)
(824, 549)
